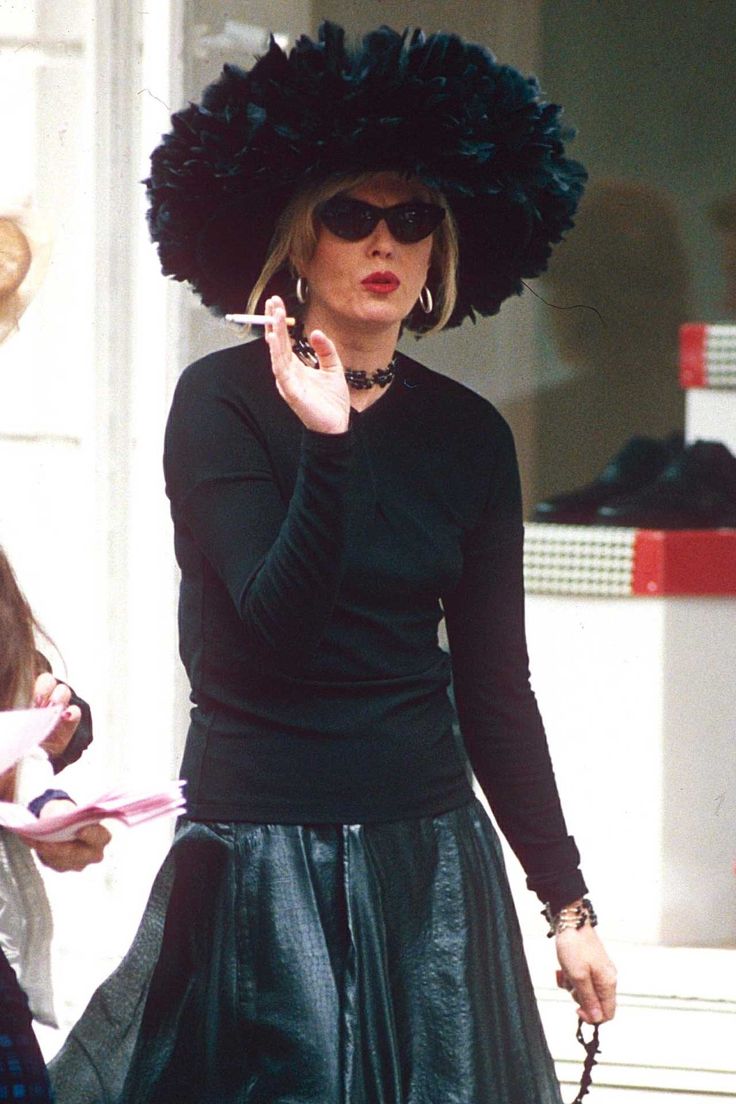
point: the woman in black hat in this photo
(338, 925)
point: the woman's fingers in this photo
(587, 973)
(87, 847)
(277, 334)
(596, 996)
(49, 691)
(43, 688)
(590, 1009)
(60, 695)
(605, 987)
(65, 728)
(318, 395)
(326, 352)
(94, 839)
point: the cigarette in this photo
(255, 319)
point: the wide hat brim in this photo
(436, 108)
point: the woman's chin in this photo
(382, 313)
(376, 314)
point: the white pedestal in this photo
(711, 416)
(639, 700)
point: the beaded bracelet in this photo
(575, 916)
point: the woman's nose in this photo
(381, 240)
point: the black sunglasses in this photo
(353, 219)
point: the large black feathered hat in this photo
(437, 108)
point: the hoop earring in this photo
(302, 289)
(426, 302)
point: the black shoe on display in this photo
(638, 463)
(697, 490)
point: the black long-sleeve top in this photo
(315, 570)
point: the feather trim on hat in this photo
(436, 108)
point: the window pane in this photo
(48, 360)
(50, 19)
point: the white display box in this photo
(639, 701)
(711, 416)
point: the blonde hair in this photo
(295, 240)
(17, 640)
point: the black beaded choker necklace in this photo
(356, 377)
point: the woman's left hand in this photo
(587, 973)
(87, 847)
(320, 399)
(47, 691)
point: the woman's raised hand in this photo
(49, 691)
(319, 397)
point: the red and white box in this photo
(617, 562)
(707, 355)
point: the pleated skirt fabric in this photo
(330, 964)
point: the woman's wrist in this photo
(571, 917)
(38, 804)
(329, 442)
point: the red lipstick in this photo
(381, 282)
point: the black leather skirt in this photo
(328, 964)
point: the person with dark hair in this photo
(334, 922)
